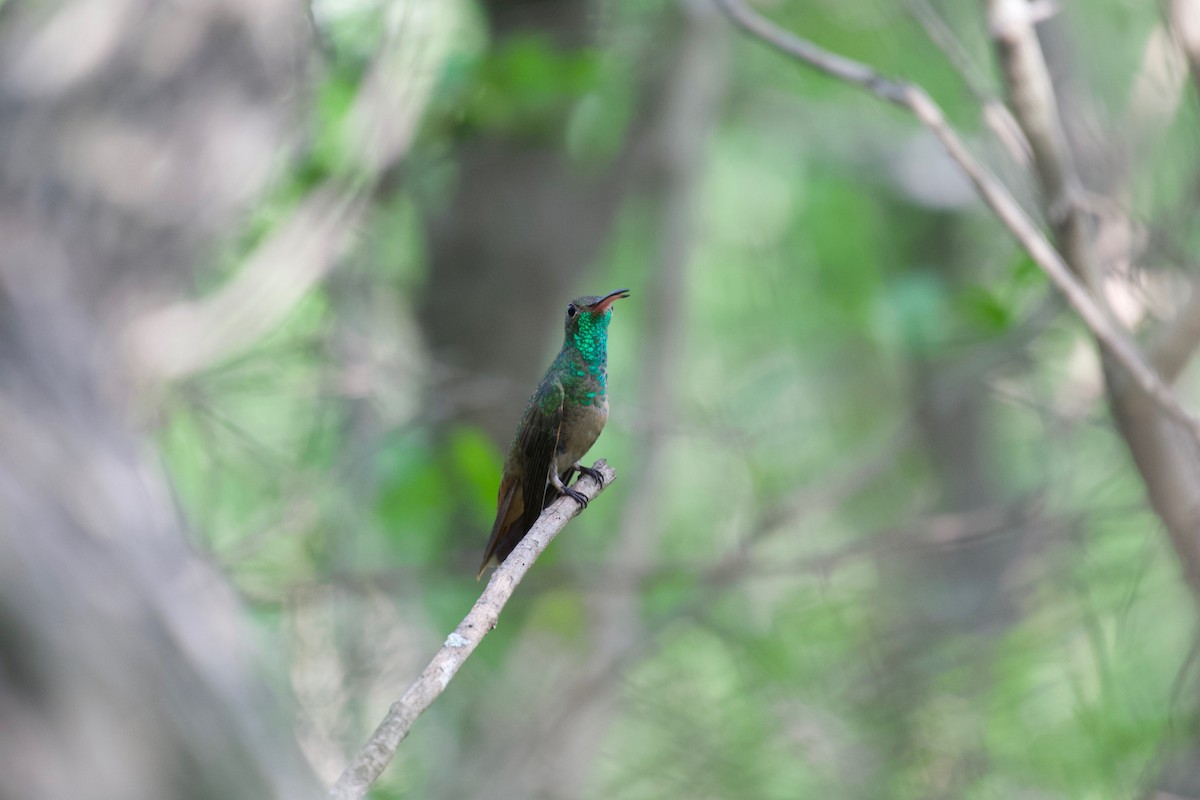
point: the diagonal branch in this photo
(1032, 97)
(368, 765)
(995, 113)
(990, 189)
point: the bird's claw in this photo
(594, 474)
(578, 497)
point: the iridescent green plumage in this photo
(582, 364)
(562, 421)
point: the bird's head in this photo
(591, 312)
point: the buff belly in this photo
(581, 427)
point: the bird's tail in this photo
(506, 530)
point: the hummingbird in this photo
(562, 421)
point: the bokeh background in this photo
(277, 278)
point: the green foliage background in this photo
(821, 295)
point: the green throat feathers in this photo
(584, 371)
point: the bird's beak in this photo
(604, 302)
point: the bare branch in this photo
(995, 113)
(1167, 463)
(368, 765)
(990, 189)
(1032, 97)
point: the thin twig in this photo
(995, 113)
(368, 765)
(990, 189)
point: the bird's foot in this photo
(594, 474)
(578, 497)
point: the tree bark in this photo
(125, 149)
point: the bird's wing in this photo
(508, 512)
(521, 495)
(539, 443)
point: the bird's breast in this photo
(581, 427)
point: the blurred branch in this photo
(128, 669)
(368, 765)
(995, 113)
(990, 189)
(1154, 99)
(1167, 466)
(1032, 97)
(187, 337)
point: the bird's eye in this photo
(571, 310)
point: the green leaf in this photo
(983, 310)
